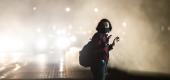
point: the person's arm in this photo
(97, 39)
(113, 43)
(110, 47)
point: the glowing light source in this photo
(61, 32)
(124, 24)
(15, 57)
(67, 9)
(61, 68)
(2, 58)
(34, 8)
(10, 43)
(41, 58)
(73, 38)
(71, 53)
(64, 39)
(17, 66)
(71, 56)
(96, 10)
(62, 42)
(3, 76)
(41, 44)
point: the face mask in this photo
(107, 30)
(107, 27)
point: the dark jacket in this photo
(101, 42)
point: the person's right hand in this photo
(116, 39)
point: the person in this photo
(101, 41)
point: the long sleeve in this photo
(102, 46)
(110, 47)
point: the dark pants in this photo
(99, 70)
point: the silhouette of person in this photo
(101, 41)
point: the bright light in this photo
(17, 66)
(124, 24)
(71, 57)
(15, 57)
(2, 77)
(64, 39)
(96, 10)
(61, 68)
(72, 52)
(62, 42)
(73, 38)
(2, 58)
(51, 35)
(41, 44)
(10, 43)
(41, 58)
(61, 32)
(34, 8)
(67, 9)
(39, 30)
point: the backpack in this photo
(87, 55)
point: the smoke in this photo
(143, 27)
(143, 47)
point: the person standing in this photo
(101, 41)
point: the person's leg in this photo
(99, 70)
(102, 70)
(94, 71)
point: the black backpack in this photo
(87, 55)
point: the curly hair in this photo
(100, 25)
